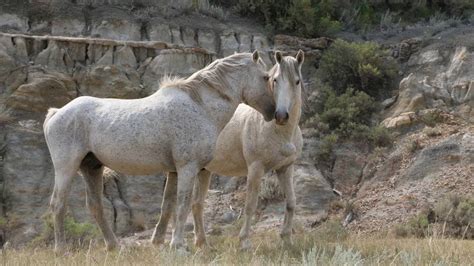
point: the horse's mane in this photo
(212, 76)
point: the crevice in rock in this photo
(86, 58)
(144, 36)
(87, 21)
(28, 23)
(114, 49)
(237, 38)
(218, 44)
(252, 46)
(196, 37)
(171, 34)
(181, 34)
(2, 183)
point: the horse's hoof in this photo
(287, 240)
(112, 246)
(182, 251)
(201, 243)
(245, 245)
(157, 242)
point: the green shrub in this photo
(327, 144)
(347, 113)
(453, 217)
(457, 215)
(77, 233)
(363, 66)
(432, 117)
(300, 17)
(332, 230)
(417, 226)
(380, 136)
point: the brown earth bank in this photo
(108, 51)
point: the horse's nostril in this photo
(281, 116)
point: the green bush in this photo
(312, 18)
(327, 144)
(363, 66)
(457, 215)
(77, 233)
(300, 17)
(453, 217)
(347, 113)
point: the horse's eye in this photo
(297, 82)
(266, 78)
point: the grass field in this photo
(310, 248)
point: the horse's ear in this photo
(278, 56)
(255, 56)
(300, 57)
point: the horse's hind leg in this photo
(201, 185)
(186, 177)
(285, 178)
(168, 206)
(92, 171)
(62, 183)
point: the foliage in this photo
(457, 215)
(270, 190)
(325, 17)
(326, 147)
(416, 226)
(432, 132)
(453, 216)
(363, 66)
(432, 117)
(77, 233)
(301, 17)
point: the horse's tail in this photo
(51, 112)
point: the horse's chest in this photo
(284, 154)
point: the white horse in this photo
(251, 146)
(174, 130)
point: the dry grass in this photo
(314, 248)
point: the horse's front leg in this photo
(186, 176)
(168, 206)
(255, 173)
(199, 195)
(285, 178)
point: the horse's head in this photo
(257, 93)
(286, 84)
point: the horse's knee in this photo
(196, 206)
(290, 207)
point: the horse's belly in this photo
(228, 161)
(136, 161)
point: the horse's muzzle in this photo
(281, 117)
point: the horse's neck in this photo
(289, 129)
(219, 109)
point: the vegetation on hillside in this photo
(451, 217)
(311, 18)
(354, 77)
